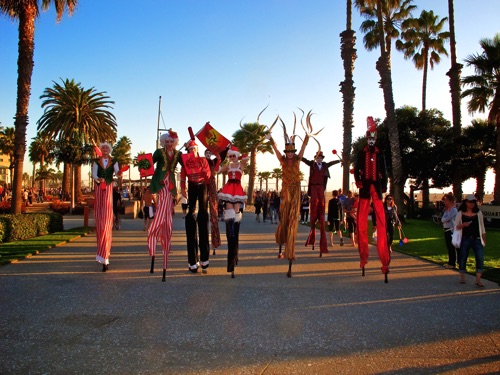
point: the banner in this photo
(212, 139)
(148, 169)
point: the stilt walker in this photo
(164, 185)
(286, 232)
(102, 172)
(213, 200)
(318, 178)
(371, 179)
(195, 174)
(233, 196)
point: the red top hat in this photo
(319, 154)
(172, 134)
(371, 127)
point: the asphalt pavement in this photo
(61, 315)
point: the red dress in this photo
(232, 191)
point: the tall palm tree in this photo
(26, 11)
(39, 152)
(394, 12)
(388, 14)
(7, 147)
(277, 174)
(251, 138)
(423, 42)
(266, 176)
(78, 116)
(348, 54)
(454, 74)
(122, 154)
(484, 92)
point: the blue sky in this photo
(225, 60)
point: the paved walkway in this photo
(62, 315)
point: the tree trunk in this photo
(480, 180)
(27, 14)
(384, 69)
(424, 83)
(454, 74)
(78, 184)
(66, 182)
(251, 175)
(425, 193)
(348, 54)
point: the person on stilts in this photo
(233, 195)
(164, 185)
(371, 179)
(318, 178)
(286, 232)
(103, 170)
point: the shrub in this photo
(15, 227)
(62, 208)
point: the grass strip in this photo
(17, 250)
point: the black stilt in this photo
(164, 274)
(280, 254)
(320, 254)
(363, 271)
(386, 279)
(232, 275)
(152, 270)
(104, 268)
(313, 247)
(289, 273)
(213, 253)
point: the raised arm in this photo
(303, 148)
(273, 145)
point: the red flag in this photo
(98, 151)
(124, 168)
(212, 139)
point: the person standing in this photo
(273, 207)
(164, 185)
(103, 170)
(265, 206)
(234, 197)
(391, 219)
(318, 178)
(470, 220)
(290, 195)
(334, 215)
(448, 220)
(195, 175)
(350, 208)
(258, 206)
(371, 179)
(148, 202)
(304, 208)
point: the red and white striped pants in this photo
(103, 212)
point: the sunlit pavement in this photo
(61, 314)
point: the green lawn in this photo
(426, 241)
(13, 251)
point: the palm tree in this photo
(277, 173)
(122, 154)
(348, 54)
(423, 42)
(78, 116)
(39, 152)
(265, 176)
(26, 11)
(484, 92)
(389, 15)
(479, 151)
(454, 74)
(394, 12)
(7, 147)
(251, 138)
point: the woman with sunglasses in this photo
(233, 196)
(470, 220)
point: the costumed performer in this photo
(290, 195)
(371, 179)
(163, 184)
(103, 170)
(233, 196)
(318, 178)
(195, 174)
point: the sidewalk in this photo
(61, 314)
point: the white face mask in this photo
(371, 141)
(389, 208)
